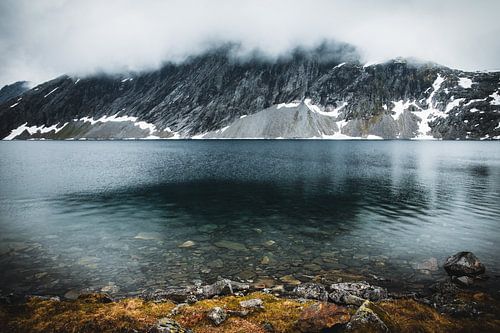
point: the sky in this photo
(41, 39)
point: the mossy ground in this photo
(91, 314)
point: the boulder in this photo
(354, 292)
(311, 291)
(463, 264)
(167, 325)
(367, 319)
(217, 315)
(223, 287)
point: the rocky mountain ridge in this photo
(331, 96)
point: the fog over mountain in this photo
(40, 40)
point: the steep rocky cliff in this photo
(323, 92)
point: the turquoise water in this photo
(79, 215)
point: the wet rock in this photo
(264, 282)
(367, 319)
(463, 264)
(289, 279)
(465, 281)
(167, 325)
(342, 293)
(430, 264)
(319, 317)
(72, 294)
(265, 260)
(247, 274)
(217, 315)
(149, 236)
(269, 243)
(217, 263)
(311, 291)
(187, 244)
(231, 245)
(223, 287)
(110, 288)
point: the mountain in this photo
(322, 93)
(13, 90)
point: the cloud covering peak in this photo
(45, 38)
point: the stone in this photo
(289, 279)
(187, 244)
(167, 325)
(342, 293)
(367, 319)
(269, 243)
(463, 264)
(264, 282)
(72, 294)
(320, 317)
(265, 260)
(246, 274)
(110, 288)
(217, 315)
(223, 287)
(231, 245)
(430, 264)
(254, 303)
(217, 263)
(465, 281)
(149, 236)
(311, 290)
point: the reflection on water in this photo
(86, 214)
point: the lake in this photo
(112, 214)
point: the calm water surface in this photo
(96, 214)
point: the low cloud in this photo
(45, 38)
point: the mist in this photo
(43, 39)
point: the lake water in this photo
(94, 214)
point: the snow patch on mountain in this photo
(33, 129)
(465, 82)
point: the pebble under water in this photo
(124, 216)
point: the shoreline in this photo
(230, 306)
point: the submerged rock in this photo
(311, 291)
(217, 315)
(352, 292)
(464, 264)
(231, 245)
(289, 279)
(149, 236)
(187, 244)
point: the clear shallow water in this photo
(75, 214)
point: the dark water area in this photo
(112, 214)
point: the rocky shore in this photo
(456, 304)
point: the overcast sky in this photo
(41, 39)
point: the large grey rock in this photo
(167, 325)
(217, 315)
(352, 292)
(463, 264)
(311, 291)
